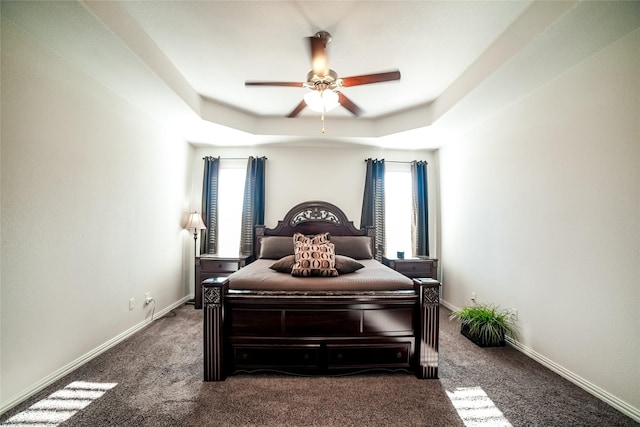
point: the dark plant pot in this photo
(464, 330)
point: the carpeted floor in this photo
(156, 380)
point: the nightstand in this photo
(414, 267)
(208, 266)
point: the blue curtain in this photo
(253, 204)
(420, 223)
(209, 241)
(373, 203)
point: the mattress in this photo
(375, 276)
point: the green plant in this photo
(485, 324)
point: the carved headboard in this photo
(314, 217)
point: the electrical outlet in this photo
(147, 298)
(513, 313)
(132, 303)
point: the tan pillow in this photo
(313, 240)
(284, 264)
(346, 265)
(314, 260)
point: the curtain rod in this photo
(399, 161)
(234, 158)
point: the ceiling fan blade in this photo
(297, 110)
(291, 84)
(349, 105)
(370, 78)
(319, 63)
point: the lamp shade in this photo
(321, 101)
(195, 222)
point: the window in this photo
(230, 196)
(398, 208)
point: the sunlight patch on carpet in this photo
(61, 405)
(476, 409)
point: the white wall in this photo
(315, 172)
(540, 211)
(93, 195)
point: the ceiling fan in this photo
(325, 84)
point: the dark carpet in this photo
(158, 373)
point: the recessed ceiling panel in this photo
(217, 46)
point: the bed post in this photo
(213, 292)
(427, 332)
(259, 234)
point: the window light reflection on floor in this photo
(61, 405)
(476, 409)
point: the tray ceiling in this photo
(187, 61)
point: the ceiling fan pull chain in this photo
(322, 119)
(324, 109)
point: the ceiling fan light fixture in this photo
(321, 101)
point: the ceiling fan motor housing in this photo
(330, 81)
(324, 35)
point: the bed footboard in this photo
(316, 334)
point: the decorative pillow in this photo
(356, 247)
(284, 264)
(314, 260)
(346, 265)
(275, 247)
(314, 240)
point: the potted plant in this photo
(486, 325)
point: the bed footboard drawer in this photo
(314, 323)
(255, 322)
(274, 356)
(388, 321)
(391, 355)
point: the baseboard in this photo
(47, 381)
(589, 387)
(448, 305)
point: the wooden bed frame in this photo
(319, 333)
